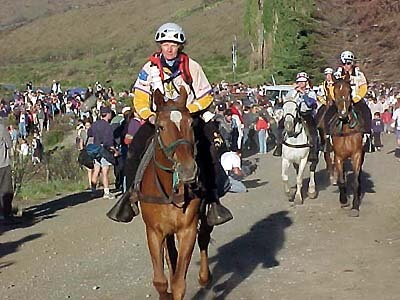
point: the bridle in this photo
(296, 117)
(168, 151)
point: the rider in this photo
(323, 89)
(359, 90)
(323, 101)
(167, 70)
(307, 102)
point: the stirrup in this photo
(218, 214)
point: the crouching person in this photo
(231, 162)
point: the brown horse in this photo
(169, 210)
(347, 143)
(327, 149)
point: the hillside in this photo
(369, 28)
(110, 40)
(83, 41)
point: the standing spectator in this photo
(6, 188)
(377, 129)
(24, 149)
(14, 136)
(237, 135)
(37, 149)
(102, 135)
(387, 120)
(396, 119)
(23, 119)
(262, 127)
(83, 139)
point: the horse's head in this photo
(290, 115)
(342, 96)
(174, 134)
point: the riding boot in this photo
(278, 150)
(217, 213)
(368, 145)
(125, 208)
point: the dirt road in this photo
(70, 250)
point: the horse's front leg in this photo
(285, 177)
(312, 193)
(357, 161)
(155, 242)
(341, 182)
(203, 240)
(186, 240)
(330, 167)
(298, 199)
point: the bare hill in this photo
(369, 28)
(118, 34)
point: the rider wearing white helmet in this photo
(306, 100)
(359, 90)
(167, 70)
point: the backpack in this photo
(85, 160)
(184, 70)
(94, 151)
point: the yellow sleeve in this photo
(331, 94)
(361, 92)
(321, 99)
(201, 103)
(141, 103)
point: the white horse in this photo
(295, 150)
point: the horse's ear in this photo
(158, 97)
(347, 77)
(183, 96)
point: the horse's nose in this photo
(188, 172)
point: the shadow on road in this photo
(47, 210)
(10, 247)
(254, 183)
(239, 258)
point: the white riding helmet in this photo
(170, 32)
(346, 56)
(302, 76)
(328, 71)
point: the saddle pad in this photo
(144, 162)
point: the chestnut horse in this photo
(169, 210)
(347, 143)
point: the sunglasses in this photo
(348, 63)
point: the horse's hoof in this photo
(205, 282)
(333, 181)
(345, 205)
(298, 200)
(312, 195)
(354, 213)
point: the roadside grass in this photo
(36, 191)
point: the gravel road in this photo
(67, 249)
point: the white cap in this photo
(125, 109)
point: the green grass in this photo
(34, 191)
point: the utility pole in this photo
(234, 57)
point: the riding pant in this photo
(360, 108)
(205, 159)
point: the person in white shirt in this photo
(231, 163)
(396, 119)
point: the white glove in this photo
(155, 79)
(303, 107)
